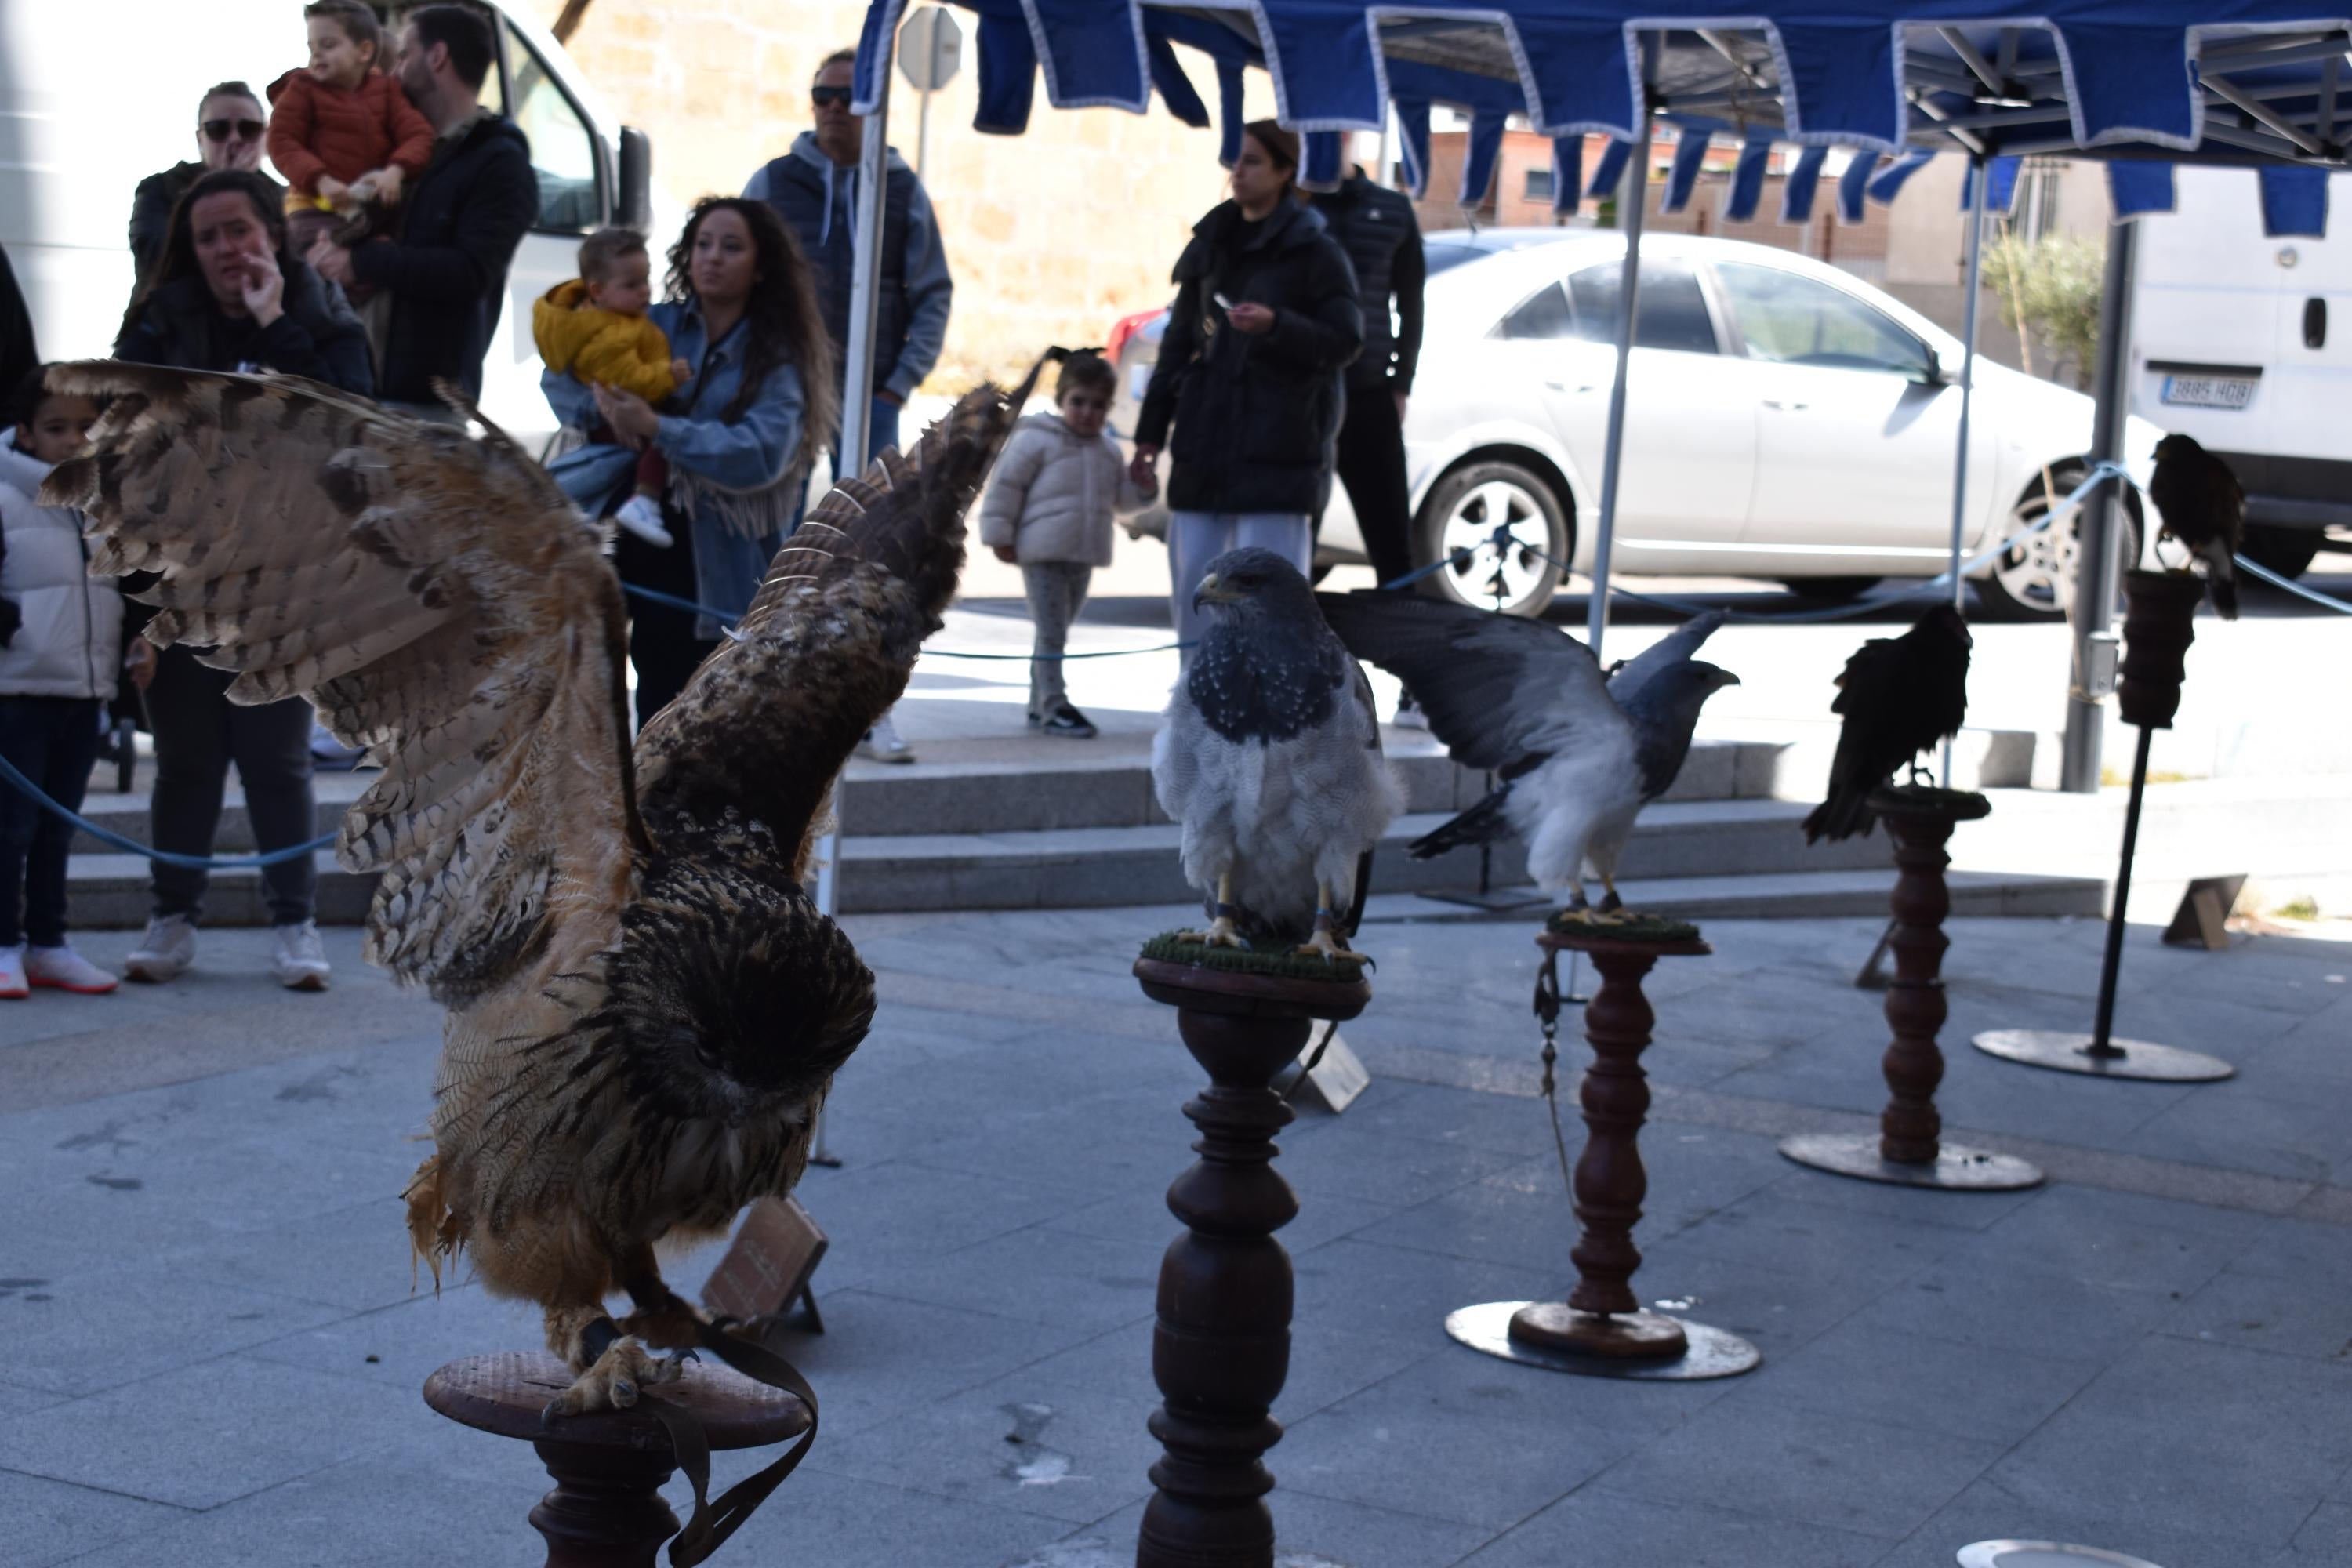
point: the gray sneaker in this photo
(164, 952)
(300, 963)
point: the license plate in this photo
(2208, 391)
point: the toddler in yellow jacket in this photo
(595, 330)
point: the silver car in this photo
(1784, 420)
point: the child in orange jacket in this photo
(341, 132)
(594, 329)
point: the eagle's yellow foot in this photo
(1326, 945)
(614, 1383)
(1221, 932)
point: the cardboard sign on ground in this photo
(767, 1268)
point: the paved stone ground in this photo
(213, 1345)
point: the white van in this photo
(2246, 344)
(96, 97)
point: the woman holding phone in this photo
(1265, 322)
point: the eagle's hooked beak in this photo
(1726, 678)
(1210, 592)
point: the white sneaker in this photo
(11, 973)
(300, 963)
(164, 952)
(641, 515)
(1408, 715)
(885, 745)
(66, 969)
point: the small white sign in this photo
(931, 49)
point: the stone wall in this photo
(1052, 235)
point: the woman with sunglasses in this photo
(230, 124)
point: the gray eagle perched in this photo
(644, 1010)
(1269, 758)
(1577, 757)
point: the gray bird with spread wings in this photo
(1578, 756)
(1270, 759)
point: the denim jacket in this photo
(729, 480)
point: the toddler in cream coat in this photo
(1049, 509)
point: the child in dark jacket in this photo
(341, 132)
(61, 644)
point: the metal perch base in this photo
(1707, 1353)
(2065, 1051)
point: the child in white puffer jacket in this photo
(60, 647)
(1050, 502)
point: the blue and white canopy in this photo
(2232, 81)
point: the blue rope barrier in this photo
(2098, 476)
(2297, 589)
(40, 797)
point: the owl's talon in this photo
(614, 1382)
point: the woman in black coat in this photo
(227, 296)
(1265, 322)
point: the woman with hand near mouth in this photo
(226, 294)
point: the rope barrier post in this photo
(1980, 177)
(2095, 560)
(1632, 198)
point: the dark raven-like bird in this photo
(2204, 508)
(1899, 696)
(1577, 757)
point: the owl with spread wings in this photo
(644, 1010)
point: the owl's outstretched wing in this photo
(830, 639)
(441, 602)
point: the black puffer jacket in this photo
(1375, 226)
(446, 273)
(1254, 414)
(317, 334)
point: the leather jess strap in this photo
(714, 1521)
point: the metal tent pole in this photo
(857, 417)
(1980, 177)
(2095, 564)
(1632, 197)
(864, 287)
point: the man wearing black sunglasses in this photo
(229, 125)
(813, 188)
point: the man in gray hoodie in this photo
(813, 188)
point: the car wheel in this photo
(1830, 590)
(2285, 551)
(1501, 531)
(2034, 579)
